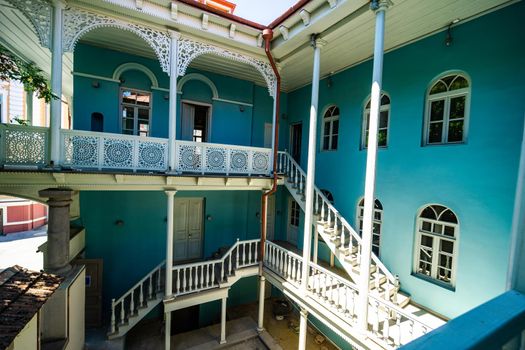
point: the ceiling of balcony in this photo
(348, 30)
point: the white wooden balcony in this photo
(27, 147)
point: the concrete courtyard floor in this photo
(21, 249)
(240, 333)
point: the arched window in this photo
(436, 244)
(330, 129)
(447, 110)
(384, 114)
(378, 220)
(328, 195)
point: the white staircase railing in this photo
(389, 325)
(349, 240)
(200, 276)
(137, 297)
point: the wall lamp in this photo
(95, 84)
(119, 222)
(209, 218)
(329, 81)
(448, 38)
(241, 108)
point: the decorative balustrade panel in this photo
(208, 158)
(24, 146)
(82, 149)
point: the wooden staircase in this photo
(342, 240)
(193, 284)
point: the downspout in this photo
(267, 36)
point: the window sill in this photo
(434, 281)
(464, 143)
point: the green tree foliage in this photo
(13, 68)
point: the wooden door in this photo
(294, 211)
(270, 218)
(188, 228)
(93, 290)
(296, 134)
(187, 121)
(195, 228)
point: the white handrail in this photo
(139, 283)
(339, 295)
(393, 279)
(198, 276)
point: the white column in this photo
(56, 81)
(167, 330)
(169, 265)
(172, 115)
(366, 248)
(303, 324)
(169, 243)
(29, 106)
(223, 320)
(316, 245)
(260, 323)
(310, 173)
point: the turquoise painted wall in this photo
(230, 124)
(133, 249)
(476, 179)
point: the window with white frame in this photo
(330, 129)
(382, 131)
(436, 244)
(447, 110)
(136, 112)
(377, 221)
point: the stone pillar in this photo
(57, 229)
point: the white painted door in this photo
(270, 218)
(187, 227)
(294, 211)
(187, 121)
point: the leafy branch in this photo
(13, 68)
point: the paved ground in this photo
(20, 249)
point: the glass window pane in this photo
(448, 216)
(335, 111)
(335, 127)
(385, 100)
(459, 83)
(144, 127)
(455, 131)
(426, 241)
(143, 99)
(334, 142)
(449, 231)
(127, 123)
(436, 110)
(377, 228)
(438, 228)
(428, 213)
(383, 119)
(143, 113)
(448, 79)
(327, 128)
(435, 133)
(426, 226)
(457, 107)
(438, 87)
(447, 246)
(381, 138)
(129, 96)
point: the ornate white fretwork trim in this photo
(188, 50)
(78, 22)
(38, 12)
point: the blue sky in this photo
(261, 11)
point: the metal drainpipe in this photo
(267, 36)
